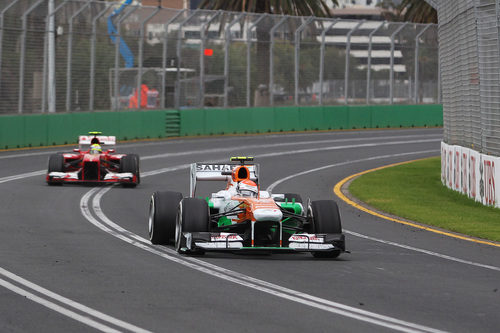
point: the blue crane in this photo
(124, 49)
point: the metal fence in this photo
(94, 55)
(469, 33)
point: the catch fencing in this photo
(469, 33)
(72, 55)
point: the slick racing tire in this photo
(56, 164)
(193, 216)
(326, 220)
(138, 168)
(162, 216)
(130, 163)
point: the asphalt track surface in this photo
(77, 259)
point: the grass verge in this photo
(414, 191)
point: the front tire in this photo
(56, 164)
(162, 216)
(326, 220)
(193, 216)
(130, 163)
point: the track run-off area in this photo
(77, 258)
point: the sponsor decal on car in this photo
(224, 236)
(306, 238)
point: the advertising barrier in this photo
(471, 173)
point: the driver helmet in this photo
(95, 149)
(248, 188)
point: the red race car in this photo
(90, 163)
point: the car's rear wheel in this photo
(130, 163)
(326, 220)
(162, 216)
(56, 164)
(193, 216)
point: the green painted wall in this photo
(17, 131)
(307, 118)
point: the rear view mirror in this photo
(111, 150)
(76, 150)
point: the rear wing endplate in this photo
(217, 172)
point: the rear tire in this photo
(130, 163)
(193, 216)
(56, 164)
(162, 216)
(326, 220)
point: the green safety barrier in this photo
(35, 130)
(215, 121)
(17, 131)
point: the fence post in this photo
(92, 56)
(484, 119)
(298, 32)
(369, 65)
(177, 96)
(249, 56)
(2, 13)
(322, 60)
(417, 49)
(271, 61)
(70, 55)
(347, 54)
(141, 55)
(49, 59)
(227, 42)
(164, 57)
(23, 54)
(391, 84)
(439, 77)
(205, 26)
(117, 56)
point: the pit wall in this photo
(471, 173)
(35, 130)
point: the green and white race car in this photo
(241, 217)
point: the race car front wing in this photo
(110, 177)
(301, 242)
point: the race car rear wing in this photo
(217, 172)
(103, 140)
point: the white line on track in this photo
(107, 225)
(27, 292)
(275, 145)
(41, 153)
(279, 181)
(244, 280)
(200, 265)
(416, 249)
(23, 175)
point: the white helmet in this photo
(248, 188)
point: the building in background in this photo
(175, 4)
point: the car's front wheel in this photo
(193, 216)
(130, 163)
(326, 220)
(163, 208)
(56, 164)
